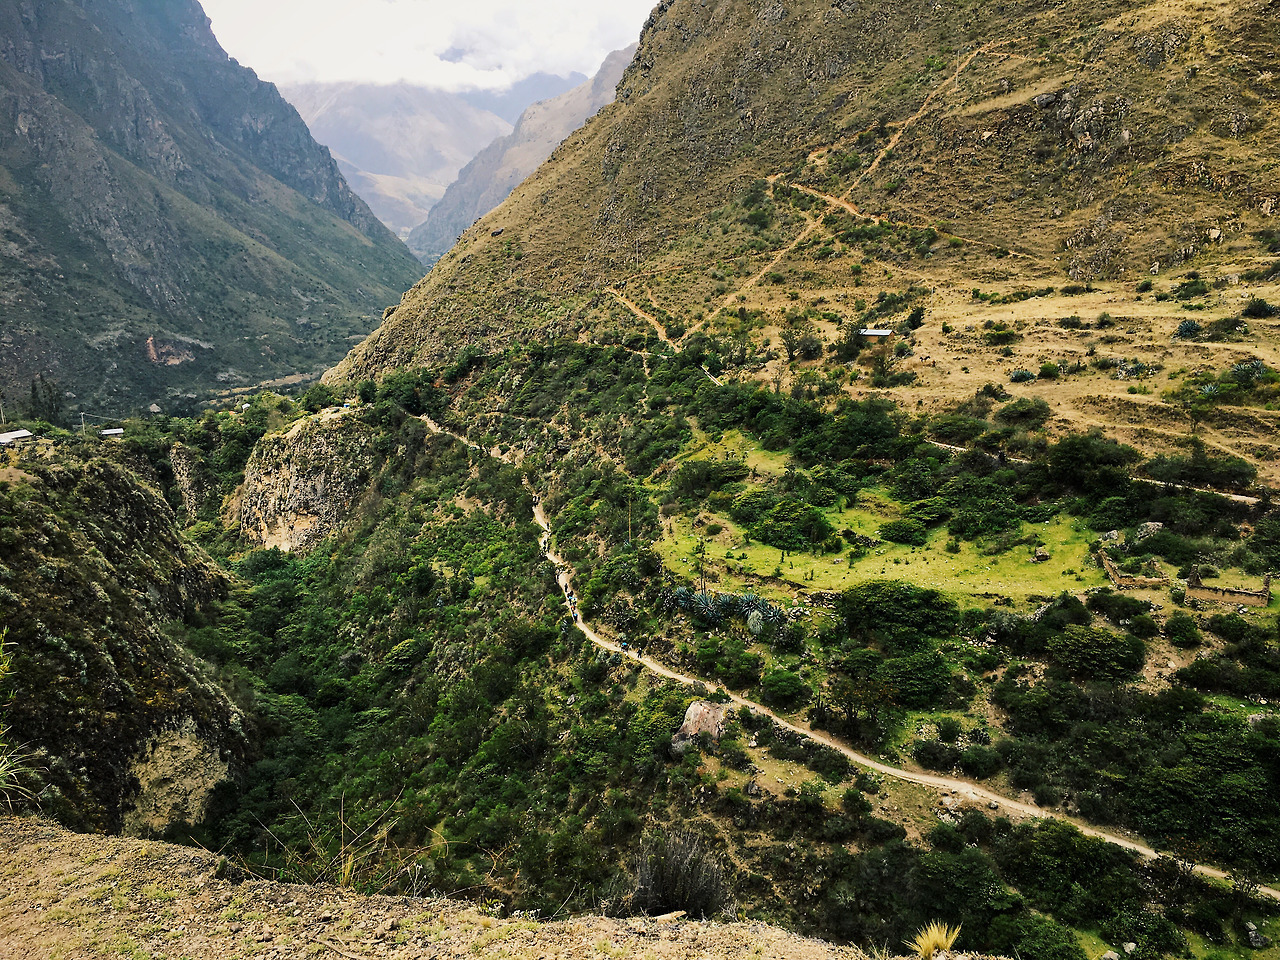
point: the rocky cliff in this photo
(169, 224)
(500, 167)
(299, 486)
(127, 730)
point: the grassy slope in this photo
(1163, 155)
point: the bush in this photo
(949, 729)
(1259, 309)
(909, 532)
(674, 872)
(784, 687)
(1049, 371)
(936, 755)
(1029, 413)
(1091, 654)
(980, 762)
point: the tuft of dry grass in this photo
(936, 938)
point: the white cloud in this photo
(453, 44)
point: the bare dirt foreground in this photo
(67, 895)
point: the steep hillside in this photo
(169, 225)
(495, 171)
(398, 146)
(125, 729)
(1018, 166)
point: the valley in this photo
(834, 491)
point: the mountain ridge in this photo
(159, 193)
(401, 145)
(495, 171)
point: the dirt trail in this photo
(964, 788)
(648, 318)
(924, 107)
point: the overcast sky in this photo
(454, 44)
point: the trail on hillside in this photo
(647, 317)
(850, 208)
(964, 788)
(924, 107)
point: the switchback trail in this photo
(958, 786)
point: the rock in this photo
(752, 789)
(1040, 556)
(1045, 100)
(1129, 947)
(299, 486)
(701, 717)
(1253, 939)
(1111, 955)
(1111, 536)
(1148, 529)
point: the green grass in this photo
(1070, 567)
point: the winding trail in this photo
(648, 318)
(924, 107)
(960, 787)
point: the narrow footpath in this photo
(964, 788)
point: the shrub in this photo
(910, 532)
(1088, 653)
(1049, 371)
(783, 687)
(674, 872)
(1259, 309)
(980, 761)
(949, 729)
(1028, 413)
(936, 755)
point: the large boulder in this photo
(701, 717)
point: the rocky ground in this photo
(68, 895)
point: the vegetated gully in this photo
(958, 786)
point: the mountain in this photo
(170, 226)
(893, 146)
(510, 103)
(399, 146)
(496, 170)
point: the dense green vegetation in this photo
(422, 715)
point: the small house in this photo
(875, 334)
(112, 432)
(14, 436)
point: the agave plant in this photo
(755, 623)
(705, 607)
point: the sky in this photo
(451, 44)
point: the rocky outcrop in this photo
(702, 717)
(191, 478)
(127, 730)
(177, 772)
(299, 486)
(500, 167)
